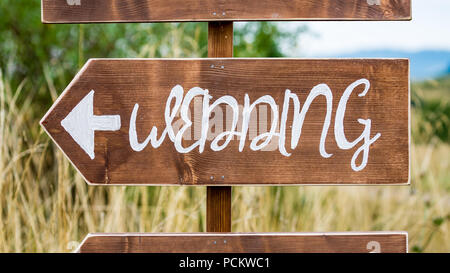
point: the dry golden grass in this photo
(46, 207)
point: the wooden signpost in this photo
(89, 11)
(167, 120)
(368, 242)
(220, 121)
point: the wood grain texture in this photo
(120, 84)
(90, 11)
(220, 39)
(218, 209)
(385, 242)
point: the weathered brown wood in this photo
(89, 11)
(120, 84)
(218, 209)
(218, 204)
(220, 39)
(384, 242)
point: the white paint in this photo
(196, 91)
(177, 94)
(268, 234)
(374, 2)
(182, 104)
(73, 2)
(227, 135)
(299, 117)
(339, 133)
(81, 124)
(374, 247)
(246, 112)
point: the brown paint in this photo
(90, 11)
(119, 84)
(350, 242)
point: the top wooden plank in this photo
(107, 11)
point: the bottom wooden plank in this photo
(348, 242)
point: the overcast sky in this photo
(429, 29)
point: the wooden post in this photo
(218, 209)
(220, 39)
(218, 199)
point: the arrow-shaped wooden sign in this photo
(88, 11)
(346, 242)
(236, 121)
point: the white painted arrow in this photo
(81, 124)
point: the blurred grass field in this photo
(45, 206)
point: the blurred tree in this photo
(28, 47)
(265, 39)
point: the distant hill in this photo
(424, 64)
